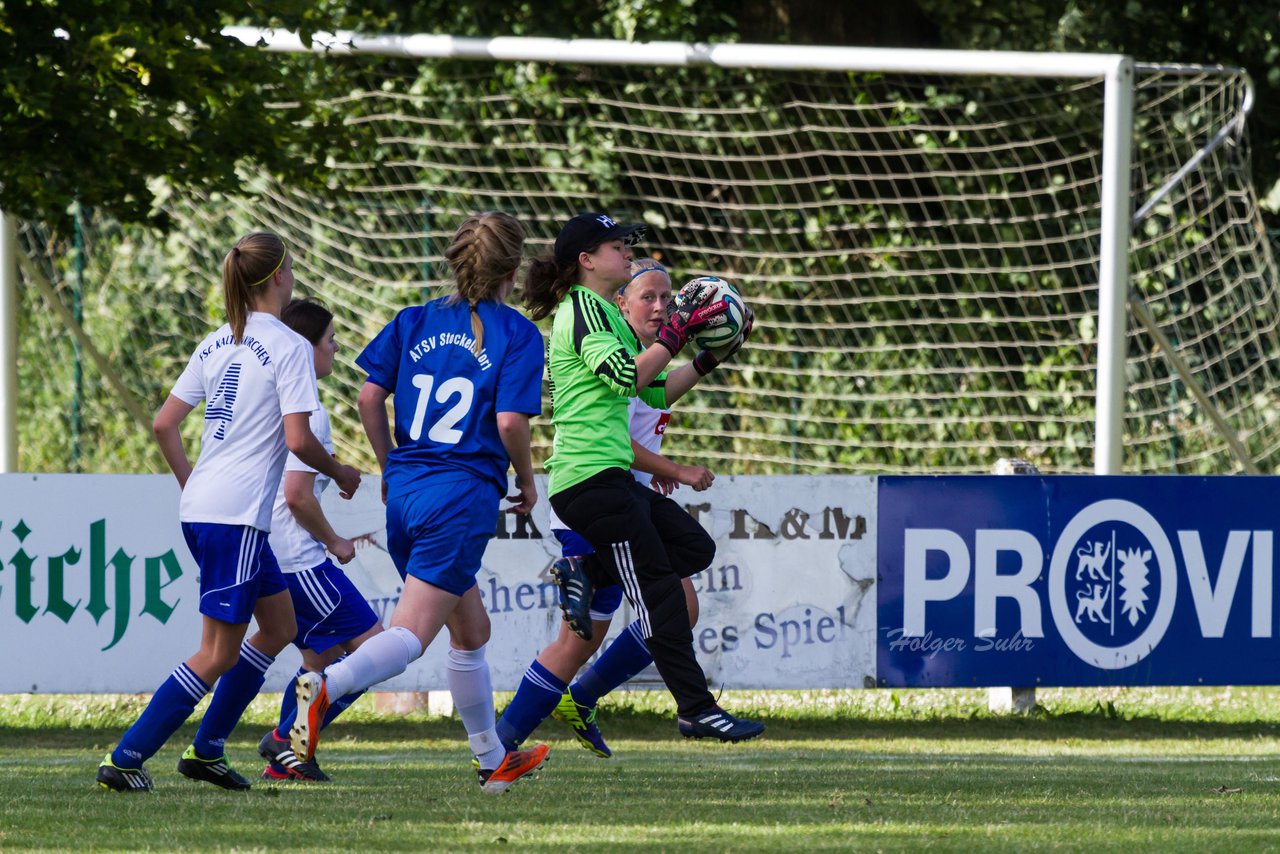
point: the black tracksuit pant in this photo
(646, 542)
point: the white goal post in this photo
(1117, 71)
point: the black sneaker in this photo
(215, 771)
(575, 594)
(117, 779)
(716, 723)
(280, 753)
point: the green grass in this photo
(1107, 769)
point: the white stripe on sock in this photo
(190, 682)
(256, 657)
(542, 683)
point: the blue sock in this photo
(173, 703)
(539, 691)
(235, 690)
(624, 657)
(289, 704)
(339, 706)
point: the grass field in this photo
(1115, 769)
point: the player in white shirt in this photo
(543, 691)
(256, 379)
(333, 616)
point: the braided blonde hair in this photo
(486, 249)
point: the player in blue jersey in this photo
(644, 302)
(333, 617)
(257, 381)
(466, 374)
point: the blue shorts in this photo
(237, 568)
(438, 535)
(605, 600)
(330, 609)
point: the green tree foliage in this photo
(99, 98)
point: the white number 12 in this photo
(443, 430)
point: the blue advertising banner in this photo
(1076, 580)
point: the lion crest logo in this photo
(1112, 582)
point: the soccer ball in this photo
(724, 327)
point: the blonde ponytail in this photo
(251, 263)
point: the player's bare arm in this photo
(304, 445)
(300, 496)
(169, 437)
(516, 435)
(698, 477)
(372, 404)
(680, 381)
(650, 363)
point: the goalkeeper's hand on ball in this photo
(708, 360)
(689, 313)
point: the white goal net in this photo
(922, 252)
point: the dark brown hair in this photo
(308, 318)
(251, 262)
(546, 283)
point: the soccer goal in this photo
(954, 256)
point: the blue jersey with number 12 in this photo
(446, 398)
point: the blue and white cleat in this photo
(575, 594)
(716, 723)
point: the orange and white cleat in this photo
(313, 702)
(515, 765)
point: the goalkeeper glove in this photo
(689, 313)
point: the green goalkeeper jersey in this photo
(593, 377)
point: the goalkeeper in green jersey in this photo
(643, 541)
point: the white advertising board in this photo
(99, 594)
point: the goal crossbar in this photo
(610, 52)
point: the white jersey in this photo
(247, 389)
(293, 545)
(648, 426)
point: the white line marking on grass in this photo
(53, 762)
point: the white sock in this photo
(472, 690)
(377, 660)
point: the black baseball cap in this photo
(588, 230)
